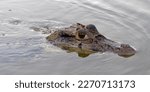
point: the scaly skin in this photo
(85, 39)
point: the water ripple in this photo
(119, 20)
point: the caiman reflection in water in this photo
(85, 40)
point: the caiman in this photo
(85, 40)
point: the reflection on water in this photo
(81, 52)
(24, 51)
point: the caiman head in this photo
(85, 40)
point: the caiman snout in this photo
(126, 50)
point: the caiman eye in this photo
(77, 28)
(78, 24)
(81, 36)
(83, 26)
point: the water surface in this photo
(24, 51)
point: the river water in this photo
(24, 51)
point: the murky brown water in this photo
(24, 51)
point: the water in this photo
(24, 51)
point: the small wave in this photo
(12, 21)
(45, 26)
